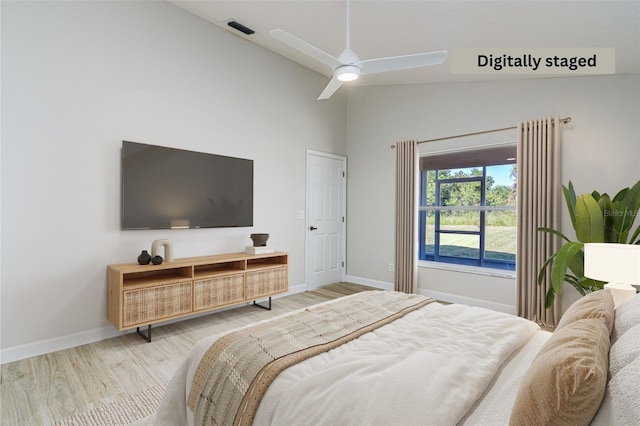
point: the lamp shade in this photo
(617, 263)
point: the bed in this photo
(383, 357)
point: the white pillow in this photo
(620, 404)
(626, 316)
(624, 351)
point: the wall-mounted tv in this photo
(165, 188)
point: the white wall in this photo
(601, 150)
(77, 79)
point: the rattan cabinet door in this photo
(144, 305)
(266, 282)
(218, 291)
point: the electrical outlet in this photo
(392, 267)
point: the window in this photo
(467, 211)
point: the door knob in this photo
(312, 228)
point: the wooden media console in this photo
(139, 295)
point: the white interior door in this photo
(326, 226)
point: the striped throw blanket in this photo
(237, 369)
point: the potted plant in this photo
(596, 218)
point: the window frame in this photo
(481, 261)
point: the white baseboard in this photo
(368, 282)
(42, 347)
(470, 301)
(445, 297)
(298, 288)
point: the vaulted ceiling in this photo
(381, 28)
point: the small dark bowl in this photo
(156, 260)
(259, 240)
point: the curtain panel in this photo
(539, 190)
(406, 233)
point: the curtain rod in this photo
(564, 121)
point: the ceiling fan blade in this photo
(393, 63)
(330, 89)
(306, 48)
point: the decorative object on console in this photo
(144, 258)
(166, 245)
(596, 218)
(156, 260)
(259, 250)
(619, 264)
(259, 240)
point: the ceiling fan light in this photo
(348, 73)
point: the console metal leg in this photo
(268, 308)
(146, 337)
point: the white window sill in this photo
(467, 269)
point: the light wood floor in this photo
(51, 387)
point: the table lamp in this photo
(618, 264)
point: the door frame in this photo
(343, 242)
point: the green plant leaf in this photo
(621, 194)
(570, 199)
(549, 299)
(553, 231)
(577, 264)
(571, 280)
(591, 284)
(563, 258)
(613, 213)
(543, 270)
(575, 282)
(589, 221)
(606, 206)
(628, 211)
(635, 236)
(596, 195)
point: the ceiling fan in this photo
(348, 67)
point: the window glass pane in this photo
(500, 235)
(429, 236)
(460, 220)
(460, 245)
(428, 197)
(460, 194)
(460, 173)
(501, 185)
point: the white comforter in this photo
(428, 367)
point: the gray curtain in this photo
(539, 191)
(406, 241)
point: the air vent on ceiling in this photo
(238, 26)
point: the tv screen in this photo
(164, 188)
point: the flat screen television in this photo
(165, 188)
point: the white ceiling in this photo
(381, 28)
